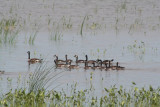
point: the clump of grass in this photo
(138, 49)
(32, 38)
(66, 23)
(57, 36)
(42, 78)
(8, 30)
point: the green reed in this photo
(81, 32)
(8, 30)
(32, 38)
(56, 36)
(42, 78)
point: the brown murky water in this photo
(126, 31)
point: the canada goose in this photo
(2, 72)
(104, 61)
(98, 61)
(33, 60)
(90, 61)
(86, 66)
(119, 67)
(101, 65)
(57, 60)
(79, 61)
(59, 65)
(107, 61)
(107, 67)
(68, 60)
(95, 67)
(114, 67)
(72, 66)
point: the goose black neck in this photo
(55, 62)
(117, 64)
(28, 55)
(106, 65)
(86, 58)
(85, 64)
(109, 64)
(66, 57)
(101, 62)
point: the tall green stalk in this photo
(81, 32)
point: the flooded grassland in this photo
(126, 31)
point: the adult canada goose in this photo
(86, 66)
(68, 60)
(98, 61)
(59, 65)
(96, 67)
(107, 61)
(101, 65)
(114, 67)
(59, 61)
(119, 67)
(90, 61)
(33, 60)
(107, 67)
(2, 72)
(79, 61)
(72, 66)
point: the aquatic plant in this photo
(56, 36)
(32, 38)
(113, 96)
(42, 78)
(138, 49)
(81, 32)
(66, 24)
(9, 30)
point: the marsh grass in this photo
(8, 30)
(66, 23)
(112, 97)
(42, 77)
(38, 96)
(81, 31)
(32, 38)
(56, 36)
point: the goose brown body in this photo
(58, 60)
(33, 60)
(86, 66)
(2, 72)
(119, 67)
(68, 60)
(90, 61)
(59, 65)
(79, 61)
(72, 66)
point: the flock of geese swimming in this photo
(88, 64)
